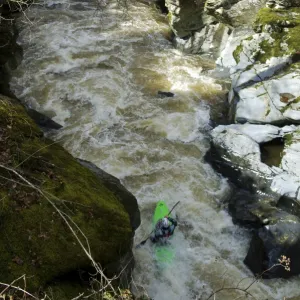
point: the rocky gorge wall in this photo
(256, 45)
(48, 197)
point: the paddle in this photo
(144, 241)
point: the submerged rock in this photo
(36, 238)
(165, 94)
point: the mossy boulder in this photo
(36, 241)
(233, 12)
(266, 74)
(284, 27)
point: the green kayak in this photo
(164, 253)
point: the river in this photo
(97, 72)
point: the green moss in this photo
(285, 28)
(236, 53)
(288, 139)
(169, 17)
(35, 239)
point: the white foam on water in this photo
(98, 75)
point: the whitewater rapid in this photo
(97, 73)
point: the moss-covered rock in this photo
(284, 28)
(233, 12)
(35, 239)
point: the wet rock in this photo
(10, 51)
(185, 16)
(270, 243)
(42, 120)
(276, 233)
(162, 94)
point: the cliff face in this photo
(42, 188)
(258, 48)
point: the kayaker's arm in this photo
(173, 221)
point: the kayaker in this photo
(164, 228)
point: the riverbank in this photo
(59, 215)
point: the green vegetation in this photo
(284, 27)
(35, 239)
(236, 53)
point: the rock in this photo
(42, 120)
(10, 51)
(209, 41)
(123, 195)
(265, 101)
(165, 94)
(290, 161)
(236, 153)
(185, 16)
(234, 12)
(34, 231)
(282, 4)
(226, 60)
(276, 232)
(273, 241)
(249, 209)
(265, 75)
(259, 133)
(286, 184)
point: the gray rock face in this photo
(263, 64)
(237, 147)
(185, 16)
(290, 161)
(271, 243)
(281, 4)
(210, 40)
(237, 155)
(265, 88)
(234, 12)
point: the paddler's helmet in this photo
(165, 222)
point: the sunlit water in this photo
(98, 73)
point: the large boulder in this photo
(272, 242)
(36, 239)
(275, 234)
(236, 153)
(208, 41)
(185, 16)
(265, 74)
(234, 12)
